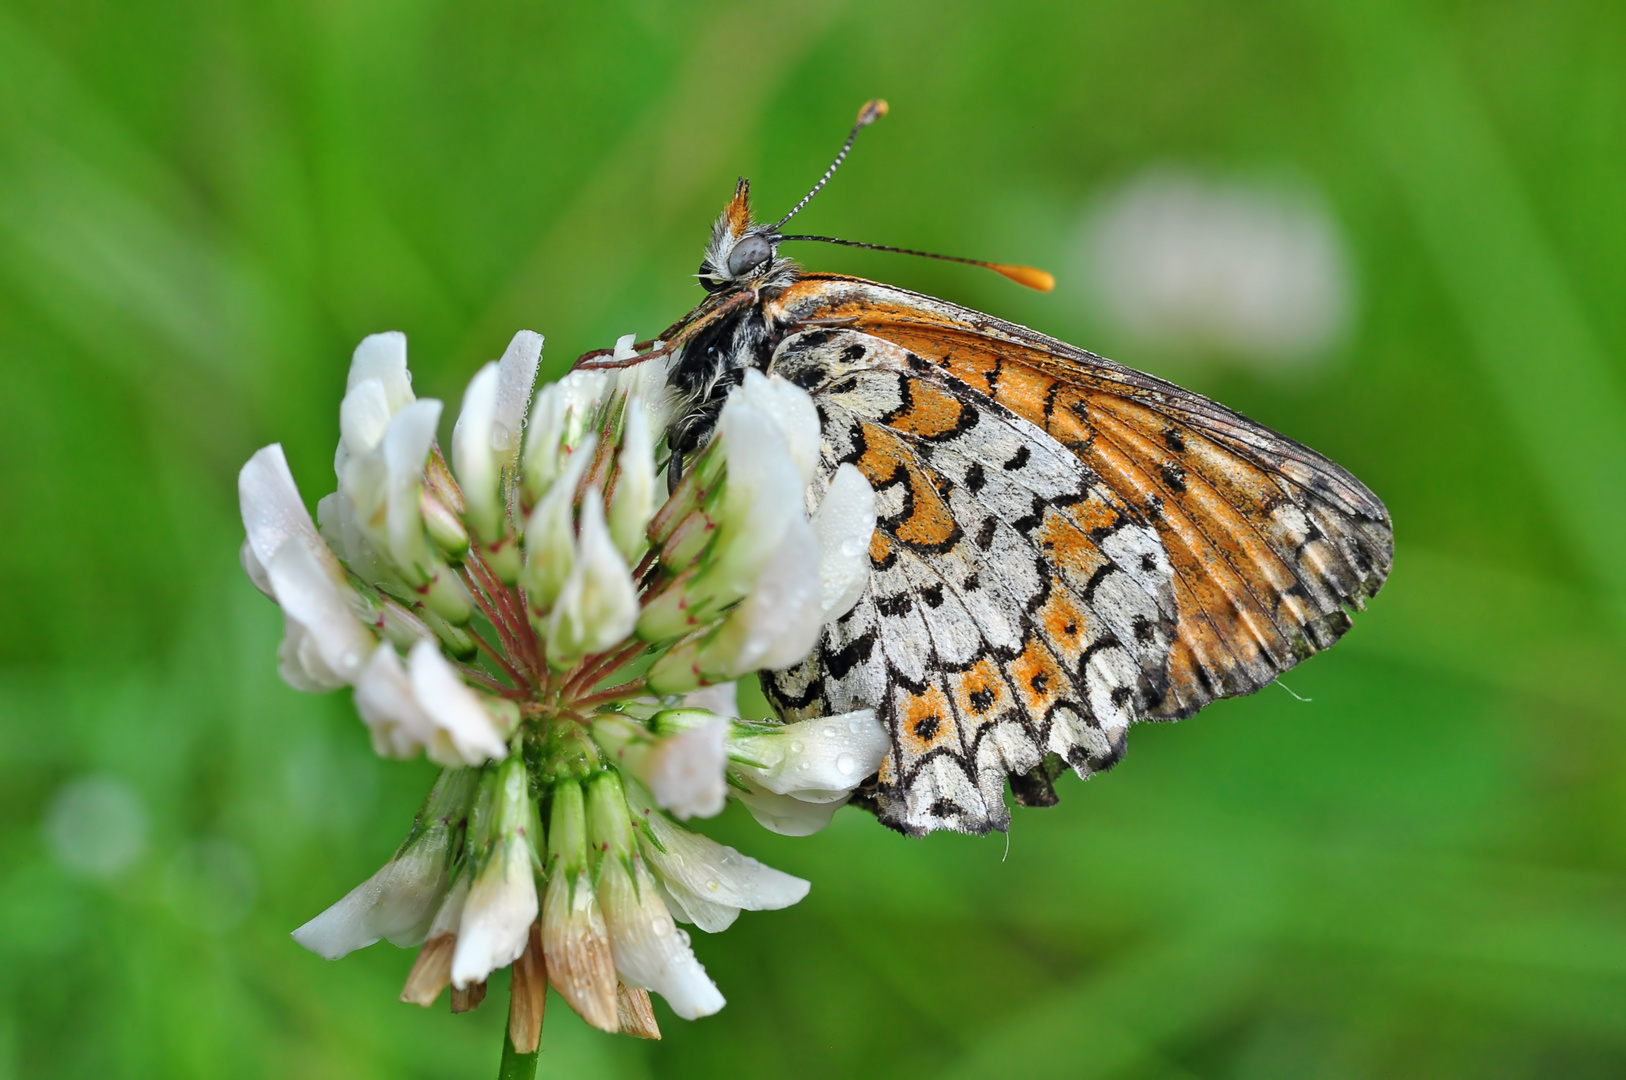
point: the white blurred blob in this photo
(1254, 269)
(96, 826)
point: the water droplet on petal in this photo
(845, 764)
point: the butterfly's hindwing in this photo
(1017, 608)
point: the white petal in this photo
(821, 758)
(763, 494)
(398, 902)
(251, 566)
(685, 770)
(406, 450)
(449, 915)
(516, 375)
(718, 874)
(559, 421)
(464, 732)
(845, 523)
(324, 643)
(633, 502)
(779, 621)
(364, 414)
(785, 815)
(273, 512)
(389, 706)
(685, 906)
(646, 382)
(475, 462)
(497, 918)
(598, 605)
(793, 412)
(383, 357)
(550, 534)
(650, 950)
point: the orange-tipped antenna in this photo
(871, 112)
(1022, 275)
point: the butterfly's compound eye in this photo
(747, 255)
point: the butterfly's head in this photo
(741, 252)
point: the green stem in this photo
(515, 1065)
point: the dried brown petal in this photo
(431, 971)
(528, 995)
(637, 1015)
(579, 962)
(468, 999)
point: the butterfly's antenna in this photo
(1022, 275)
(871, 112)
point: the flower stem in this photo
(515, 1065)
(614, 693)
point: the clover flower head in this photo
(544, 619)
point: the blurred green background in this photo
(1420, 871)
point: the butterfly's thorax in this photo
(723, 342)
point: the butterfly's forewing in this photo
(1262, 541)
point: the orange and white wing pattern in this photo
(1018, 608)
(1248, 547)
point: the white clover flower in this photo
(529, 615)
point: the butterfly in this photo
(1065, 545)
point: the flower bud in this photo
(445, 528)
(683, 768)
(502, 901)
(677, 671)
(762, 494)
(597, 607)
(817, 760)
(473, 458)
(609, 828)
(550, 535)
(560, 420)
(446, 595)
(364, 414)
(632, 503)
(405, 450)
